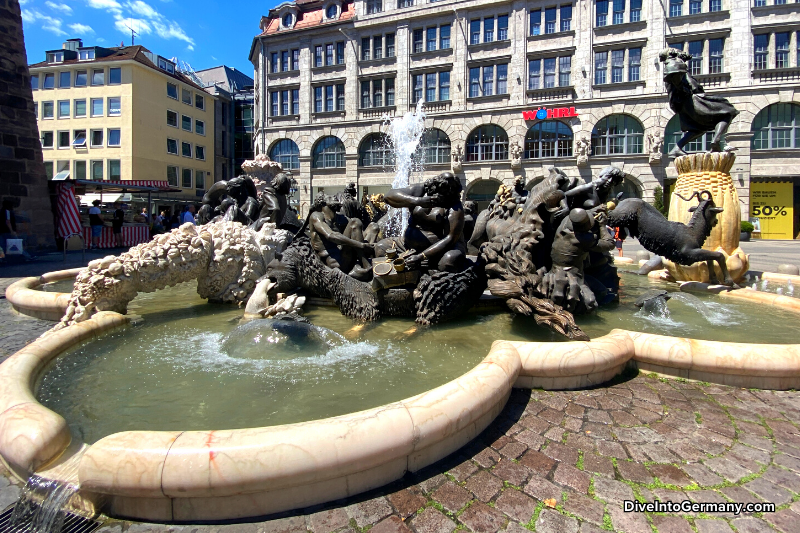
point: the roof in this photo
(310, 18)
(121, 53)
(227, 78)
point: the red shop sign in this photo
(556, 112)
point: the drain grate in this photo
(72, 523)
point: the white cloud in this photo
(100, 40)
(64, 8)
(144, 9)
(28, 16)
(140, 26)
(190, 48)
(171, 30)
(104, 4)
(23, 2)
(51, 24)
(81, 29)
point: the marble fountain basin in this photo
(200, 475)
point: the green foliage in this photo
(658, 200)
(747, 227)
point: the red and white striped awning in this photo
(141, 185)
(69, 218)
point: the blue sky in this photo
(203, 33)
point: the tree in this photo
(658, 200)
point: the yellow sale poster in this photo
(772, 203)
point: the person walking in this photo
(117, 221)
(96, 223)
(188, 216)
(8, 223)
(174, 220)
(618, 241)
(145, 215)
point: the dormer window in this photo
(332, 12)
(85, 55)
(163, 64)
(288, 21)
(55, 57)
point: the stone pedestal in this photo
(709, 172)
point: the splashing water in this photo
(41, 505)
(714, 313)
(755, 286)
(404, 135)
(764, 284)
(779, 291)
(789, 288)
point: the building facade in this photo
(233, 135)
(123, 114)
(327, 73)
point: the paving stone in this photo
(671, 524)
(330, 520)
(793, 463)
(407, 501)
(587, 527)
(584, 507)
(552, 416)
(559, 452)
(370, 511)
(556, 401)
(659, 453)
(784, 478)
(753, 429)
(487, 458)
(535, 424)
(500, 442)
(541, 489)
(597, 431)
(754, 454)
(686, 451)
(707, 525)
(481, 518)
(768, 491)
(531, 439)
(572, 477)
(700, 496)
(513, 450)
(610, 404)
(580, 441)
(513, 527)
(638, 435)
(538, 462)
(628, 522)
(554, 433)
(516, 504)
(432, 521)
(670, 475)
(393, 524)
(598, 416)
(573, 424)
(621, 418)
(432, 483)
(294, 524)
(632, 471)
(451, 496)
(635, 452)
(463, 470)
(757, 442)
(727, 468)
(550, 521)
(117, 528)
(611, 490)
(784, 520)
(484, 485)
(739, 495)
(598, 464)
(514, 473)
(645, 415)
(611, 449)
(574, 410)
(751, 525)
(701, 474)
(585, 401)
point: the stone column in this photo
(22, 176)
(304, 183)
(402, 88)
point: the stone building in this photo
(326, 72)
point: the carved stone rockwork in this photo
(515, 150)
(582, 148)
(457, 158)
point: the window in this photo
(199, 101)
(63, 109)
(634, 63)
(601, 13)
(35, 82)
(549, 72)
(696, 63)
(172, 118)
(48, 169)
(49, 81)
(488, 80)
(114, 170)
(81, 77)
(566, 18)
(474, 82)
(114, 137)
(285, 103)
(200, 179)
(782, 50)
(675, 8)
(617, 134)
(417, 41)
(548, 138)
(295, 105)
(430, 39)
(79, 139)
(618, 17)
(328, 153)
(172, 90)
(332, 11)
(617, 73)
(564, 71)
(274, 64)
(114, 106)
(172, 176)
(761, 54)
(296, 59)
(550, 20)
(475, 31)
(169, 66)
(436, 86)
(97, 170)
(535, 22)
(433, 148)
(617, 66)
(444, 86)
(62, 169)
(200, 152)
(777, 126)
(714, 5)
(328, 98)
(186, 97)
(80, 170)
(636, 11)
(318, 55)
(695, 6)
(114, 76)
(366, 43)
(186, 149)
(375, 151)
(600, 67)
(488, 30)
(79, 108)
(390, 45)
(715, 56)
(487, 143)
(36, 109)
(374, 6)
(97, 107)
(86, 55)
(186, 123)
(287, 20)
(444, 36)
(47, 139)
(96, 138)
(404, 3)
(98, 77)
(329, 54)
(47, 110)
(534, 74)
(186, 178)
(286, 153)
(172, 146)
(502, 27)
(417, 88)
(388, 85)
(63, 139)
(377, 47)
(318, 99)
(55, 57)
(199, 127)
(64, 79)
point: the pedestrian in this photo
(618, 241)
(117, 221)
(145, 215)
(96, 223)
(8, 223)
(174, 220)
(188, 216)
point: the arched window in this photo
(286, 153)
(548, 138)
(332, 11)
(482, 192)
(777, 126)
(328, 153)
(434, 148)
(617, 134)
(630, 188)
(673, 133)
(487, 143)
(375, 151)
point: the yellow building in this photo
(123, 114)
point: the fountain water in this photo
(404, 135)
(41, 507)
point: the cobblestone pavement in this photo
(564, 462)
